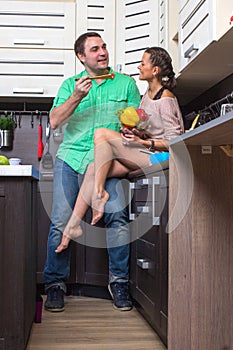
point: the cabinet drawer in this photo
(143, 190)
(149, 196)
(147, 229)
(147, 269)
(35, 72)
(195, 30)
(37, 24)
(148, 251)
(146, 272)
(146, 216)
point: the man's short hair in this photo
(79, 45)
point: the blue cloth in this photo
(66, 186)
(159, 157)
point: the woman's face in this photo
(146, 69)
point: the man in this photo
(87, 104)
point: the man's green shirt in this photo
(96, 110)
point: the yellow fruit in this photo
(4, 160)
(129, 117)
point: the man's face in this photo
(95, 56)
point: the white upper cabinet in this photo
(195, 29)
(137, 28)
(34, 73)
(37, 40)
(200, 23)
(36, 47)
(204, 41)
(37, 24)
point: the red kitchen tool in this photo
(40, 142)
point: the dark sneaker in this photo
(55, 299)
(120, 295)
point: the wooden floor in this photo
(91, 324)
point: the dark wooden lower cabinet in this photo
(17, 260)
(149, 248)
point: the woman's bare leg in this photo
(73, 229)
(99, 199)
(115, 160)
(108, 148)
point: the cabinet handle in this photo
(28, 91)
(143, 209)
(155, 219)
(190, 51)
(29, 42)
(143, 182)
(132, 216)
(145, 264)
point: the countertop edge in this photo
(19, 171)
(193, 136)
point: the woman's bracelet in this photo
(152, 146)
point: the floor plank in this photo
(92, 324)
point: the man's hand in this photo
(83, 86)
(61, 113)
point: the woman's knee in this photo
(101, 132)
(104, 134)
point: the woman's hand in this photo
(126, 130)
(140, 133)
(130, 139)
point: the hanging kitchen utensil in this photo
(47, 159)
(19, 120)
(32, 120)
(40, 142)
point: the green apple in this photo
(4, 160)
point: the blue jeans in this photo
(66, 187)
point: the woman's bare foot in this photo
(71, 232)
(98, 204)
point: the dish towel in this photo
(159, 157)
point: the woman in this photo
(116, 154)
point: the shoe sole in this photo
(55, 310)
(125, 308)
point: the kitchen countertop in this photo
(216, 132)
(19, 170)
